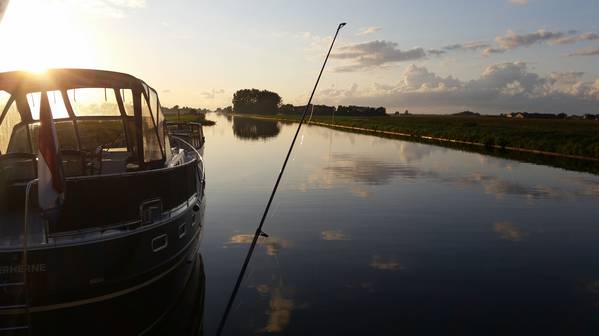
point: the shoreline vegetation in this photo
(572, 139)
(570, 162)
(187, 114)
(560, 135)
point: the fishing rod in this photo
(259, 231)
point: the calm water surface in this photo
(381, 236)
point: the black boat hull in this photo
(69, 275)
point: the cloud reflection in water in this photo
(334, 235)
(385, 264)
(273, 244)
(508, 231)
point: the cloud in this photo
(212, 93)
(128, 3)
(588, 51)
(575, 38)
(502, 87)
(518, 2)
(369, 30)
(512, 40)
(467, 46)
(375, 53)
(436, 52)
(489, 51)
(114, 9)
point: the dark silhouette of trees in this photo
(255, 129)
(254, 101)
(361, 111)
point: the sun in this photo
(40, 34)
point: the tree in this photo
(254, 101)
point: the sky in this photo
(492, 56)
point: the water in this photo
(381, 236)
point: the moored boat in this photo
(134, 192)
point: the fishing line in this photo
(259, 231)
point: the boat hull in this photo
(79, 273)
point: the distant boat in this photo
(134, 200)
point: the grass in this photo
(189, 118)
(565, 137)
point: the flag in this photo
(51, 184)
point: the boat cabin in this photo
(115, 145)
(106, 122)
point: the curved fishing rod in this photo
(259, 231)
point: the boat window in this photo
(65, 131)
(94, 102)
(11, 119)
(59, 111)
(20, 140)
(107, 134)
(127, 96)
(152, 151)
(4, 98)
(154, 106)
(132, 131)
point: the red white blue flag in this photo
(51, 184)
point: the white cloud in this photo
(374, 53)
(502, 87)
(211, 94)
(115, 9)
(588, 51)
(128, 3)
(512, 40)
(575, 38)
(518, 2)
(369, 30)
(467, 46)
(489, 51)
(436, 52)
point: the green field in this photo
(561, 136)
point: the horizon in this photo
(538, 56)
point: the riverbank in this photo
(572, 139)
(189, 118)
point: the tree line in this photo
(254, 101)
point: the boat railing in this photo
(192, 132)
(197, 155)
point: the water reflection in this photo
(385, 264)
(255, 129)
(508, 231)
(367, 170)
(280, 307)
(334, 235)
(382, 236)
(273, 244)
(344, 169)
(172, 305)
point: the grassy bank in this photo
(577, 138)
(189, 118)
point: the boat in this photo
(134, 192)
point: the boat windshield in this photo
(100, 130)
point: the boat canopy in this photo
(114, 114)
